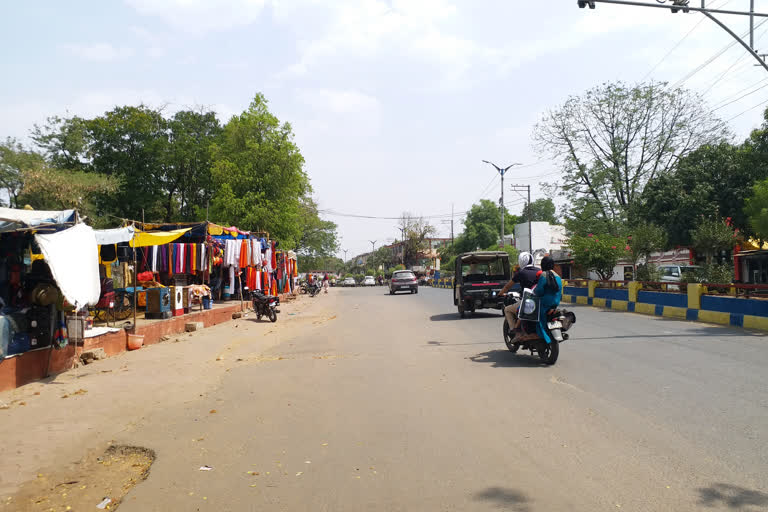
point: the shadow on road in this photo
(443, 317)
(506, 359)
(509, 499)
(732, 496)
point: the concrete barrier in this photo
(695, 305)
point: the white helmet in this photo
(525, 259)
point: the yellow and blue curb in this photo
(694, 306)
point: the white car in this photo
(369, 281)
(350, 281)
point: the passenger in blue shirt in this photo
(550, 289)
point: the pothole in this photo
(92, 481)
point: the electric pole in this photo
(518, 188)
(402, 244)
(676, 6)
(502, 171)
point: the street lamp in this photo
(502, 171)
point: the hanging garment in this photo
(257, 286)
(231, 287)
(268, 259)
(274, 255)
(243, 260)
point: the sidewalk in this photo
(56, 421)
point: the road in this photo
(393, 403)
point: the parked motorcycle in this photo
(311, 289)
(558, 322)
(265, 305)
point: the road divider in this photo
(695, 303)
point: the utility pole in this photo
(518, 188)
(402, 245)
(373, 246)
(502, 171)
(676, 6)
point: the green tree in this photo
(614, 139)
(318, 237)
(48, 188)
(599, 253)
(15, 161)
(542, 210)
(756, 209)
(644, 239)
(712, 236)
(64, 142)
(482, 227)
(258, 175)
(712, 180)
(131, 144)
(189, 182)
(416, 231)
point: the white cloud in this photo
(196, 16)
(339, 101)
(98, 52)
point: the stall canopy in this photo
(12, 219)
(148, 238)
(114, 236)
(71, 255)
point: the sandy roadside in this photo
(57, 421)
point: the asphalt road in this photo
(395, 404)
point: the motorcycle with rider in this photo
(532, 320)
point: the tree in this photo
(131, 144)
(599, 253)
(542, 210)
(756, 209)
(258, 175)
(712, 236)
(64, 142)
(15, 161)
(48, 188)
(644, 239)
(482, 227)
(416, 230)
(614, 139)
(318, 237)
(189, 183)
(713, 180)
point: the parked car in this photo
(368, 281)
(675, 273)
(350, 281)
(403, 280)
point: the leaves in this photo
(756, 209)
(614, 139)
(599, 253)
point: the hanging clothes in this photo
(243, 260)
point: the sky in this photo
(394, 103)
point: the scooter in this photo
(265, 305)
(558, 322)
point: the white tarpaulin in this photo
(12, 219)
(72, 255)
(114, 236)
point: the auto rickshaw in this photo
(480, 276)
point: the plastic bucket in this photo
(135, 341)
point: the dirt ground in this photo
(61, 426)
(97, 479)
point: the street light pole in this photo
(530, 233)
(502, 171)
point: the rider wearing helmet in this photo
(526, 276)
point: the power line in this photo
(676, 46)
(740, 97)
(725, 100)
(748, 110)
